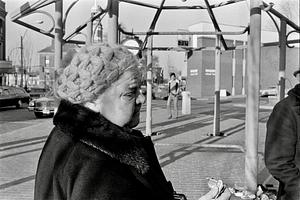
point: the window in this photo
(5, 92)
(11, 91)
(47, 61)
(19, 91)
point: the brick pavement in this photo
(187, 161)
(181, 147)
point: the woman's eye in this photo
(130, 95)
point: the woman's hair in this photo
(172, 74)
(92, 70)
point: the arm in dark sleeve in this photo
(99, 180)
(280, 147)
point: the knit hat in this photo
(296, 72)
(92, 70)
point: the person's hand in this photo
(213, 192)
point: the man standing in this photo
(282, 147)
(173, 95)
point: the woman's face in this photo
(173, 77)
(121, 103)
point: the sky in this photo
(131, 16)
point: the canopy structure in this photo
(253, 53)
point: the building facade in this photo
(201, 69)
(46, 63)
(5, 66)
(201, 64)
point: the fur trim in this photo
(91, 128)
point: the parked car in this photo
(13, 96)
(161, 91)
(143, 91)
(45, 106)
(36, 92)
(271, 91)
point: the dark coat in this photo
(282, 147)
(87, 157)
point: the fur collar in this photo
(91, 128)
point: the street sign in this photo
(194, 72)
(132, 44)
(183, 40)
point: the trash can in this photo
(186, 103)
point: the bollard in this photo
(186, 103)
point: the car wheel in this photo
(19, 104)
(37, 115)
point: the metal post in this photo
(16, 79)
(22, 64)
(58, 34)
(216, 128)
(252, 102)
(149, 87)
(112, 28)
(233, 69)
(244, 69)
(89, 26)
(282, 59)
(45, 78)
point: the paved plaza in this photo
(186, 153)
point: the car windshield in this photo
(45, 104)
(49, 94)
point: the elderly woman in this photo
(93, 152)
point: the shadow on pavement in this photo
(187, 151)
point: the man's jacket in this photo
(282, 147)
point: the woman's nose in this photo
(140, 99)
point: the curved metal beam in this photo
(275, 23)
(50, 16)
(79, 28)
(281, 16)
(294, 31)
(140, 4)
(66, 15)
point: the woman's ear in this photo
(94, 105)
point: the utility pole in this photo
(22, 65)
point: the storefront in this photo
(5, 69)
